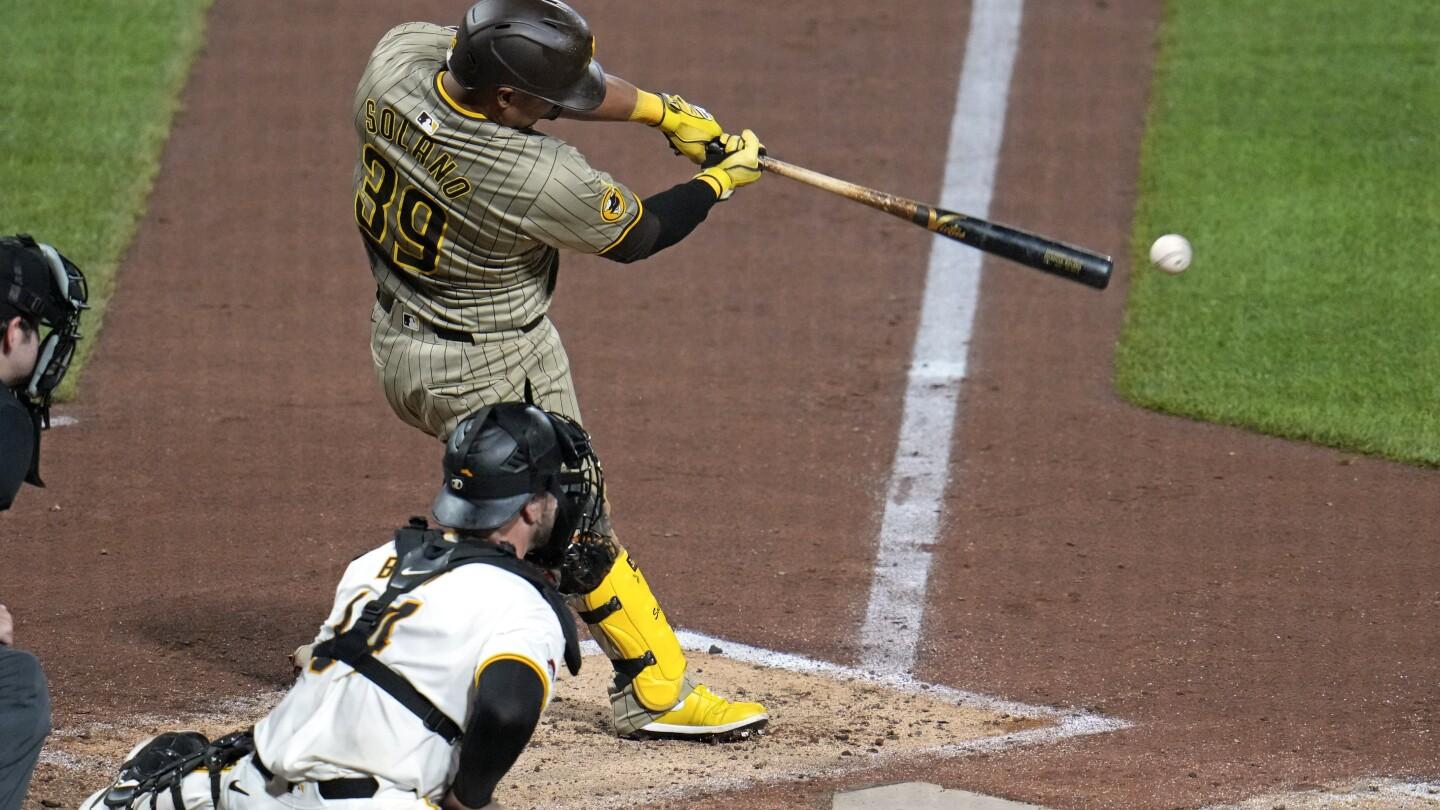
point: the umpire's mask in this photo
(38, 283)
(504, 455)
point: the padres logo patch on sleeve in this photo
(612, 204)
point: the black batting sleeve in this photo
(508, 700)
(668, 217)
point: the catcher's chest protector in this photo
(424, 554)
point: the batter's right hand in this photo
(738, 166)
(687, 127)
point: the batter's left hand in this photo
(734, 164)
(688, 127)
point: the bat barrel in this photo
(1047, 255)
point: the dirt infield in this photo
(1264, 612)
(575, 761)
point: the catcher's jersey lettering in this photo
(394, 614)
(465, 217)
(380, 639)
(321, 664)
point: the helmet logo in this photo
(456, 484)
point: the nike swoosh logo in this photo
(236, 787)
(410, 572)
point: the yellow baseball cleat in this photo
(703, 715)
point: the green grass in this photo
(1297, 145)
(87, 91)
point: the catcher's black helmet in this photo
(504, 455)
(540, 47)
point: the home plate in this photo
(824, 720)
(922, 796)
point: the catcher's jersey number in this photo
(420, 221)
(380, 639)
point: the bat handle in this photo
(715, 152)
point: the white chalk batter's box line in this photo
(1067, 723)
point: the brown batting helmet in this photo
(540, 47)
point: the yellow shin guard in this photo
(630, 627)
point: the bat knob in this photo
(714, 153)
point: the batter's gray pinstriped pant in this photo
(433, 383)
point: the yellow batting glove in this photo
(738, 165)
(686, 126)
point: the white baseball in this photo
(1171, 253)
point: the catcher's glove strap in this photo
(387, 303)
(350, 787)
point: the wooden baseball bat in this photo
(1032, 250)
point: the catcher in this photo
(464, 208)
(455, 640)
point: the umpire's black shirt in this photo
(17, 445)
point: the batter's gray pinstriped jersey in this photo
(463, 216)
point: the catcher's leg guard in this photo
(630, 627)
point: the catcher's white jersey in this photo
(336, 723)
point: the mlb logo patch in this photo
(427, 122)
(409, 322)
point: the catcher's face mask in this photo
(579, 489)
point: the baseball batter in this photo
(437, 658)
(464, 208)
